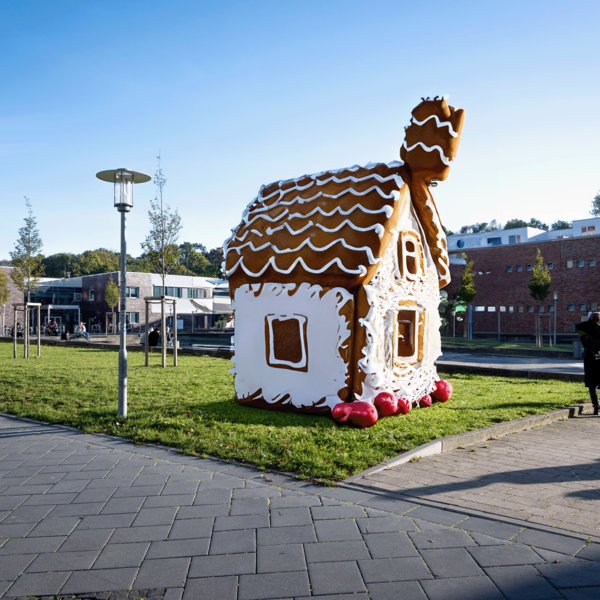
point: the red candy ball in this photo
(386, 404)
(442, 391)
(425, 401)
(403, 406)
(359, 414)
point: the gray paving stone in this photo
(337, 530)
(279, 559)
(462, 588)
(76, 510)
(553, 557)
(335, 578)
(335, 551)
(63, 561)
(103, 580)
(74, 476)
(435, 515)
(294, 501)
(86, 496)
(222, 565)
(586, 593)
(285, 535)
(121, 555)
(83, 540)
(257, 506)
(225, 483)
(16, 531)
(151, 517)
(491, 527)
(67, 487)
(233, 542)
(218, 496)
(199, 512)
(385, 524)
(504, 556)
(257, 492)
(394, 569)
(273, 585)
(211, 588)
(11, 502)
(178, 548)
(486, 540)
(337, 512)
(38, 584)
(160, 501)
(142, 490)
(140, 534)
(4, 585)
(590, 552)
(566, 575)
(522, 583)
(389, 504)
(244, 522)
(191, 528)
(123, 505)
(428, 526)
(106, 521)
(180, 487)
(28, 514)
(162, 573)
(398, 590)
(151, 479)
(452, 562)
(347, 495)
(290, 517)
(447, 538)
(20, 490)
(390, 545)
(12, 566)
(55, 526)
(550, 541)
(31, 545)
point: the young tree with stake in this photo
(4, 296)
(160, 247)
(112, 297)
(539, 285)
(466, 292)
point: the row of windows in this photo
(179, 292)
(522, 308)
(570, 265)
(130, 292)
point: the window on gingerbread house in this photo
(286, 342)
(410, 255)
(409, 325)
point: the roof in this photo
(332, 228)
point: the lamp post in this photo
(123, 180)
(555, 308)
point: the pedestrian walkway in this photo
(528, 364)
(98, 517)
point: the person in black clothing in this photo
(153, 337)
(589, 333)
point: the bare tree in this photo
(26, 257)
(160, 246)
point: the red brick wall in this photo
(496, 287)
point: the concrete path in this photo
(516, 363)
(97, 517)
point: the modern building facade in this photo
(503, 266)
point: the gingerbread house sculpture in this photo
(335, 278)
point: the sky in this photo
(234, 95)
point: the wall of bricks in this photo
(15, 296)
(497, 287)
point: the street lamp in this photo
(555, 301)
(123, 180)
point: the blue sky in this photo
(238, 94)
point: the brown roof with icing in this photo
(330, 228)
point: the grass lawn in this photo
(192, 408)
(456, 341)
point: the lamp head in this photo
(123, 180)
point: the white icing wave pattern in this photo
(330, 223)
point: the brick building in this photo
(502, 274)
(15, 296)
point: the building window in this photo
(541, 308)
(287, 346)
(521, 308)
(530, 309)
(514, 239)
(592, 262)
(582, 307)
(511, 309)
(91, 295)
(529, 267)
(550, 266)
(408, 339)
(491, 309)
(519, 268)
(569, 264)
(157, 290)
(76, 297)
(550, 307)
(590, 230)
(480, 309)
(131, 317)
(495, 241)
(174, 292)
(580, 263)
(594, 306)
(132, 292)
(410, 255)
(570, 307)
(509, 269)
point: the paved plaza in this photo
(99, 517)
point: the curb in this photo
(456, 367)
(452, 442)
(530, 353)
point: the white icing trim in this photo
(446, 161)
(378, 228)
(362, 270)
(438, 122)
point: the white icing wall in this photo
(326, 331)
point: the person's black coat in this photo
(591, 352)
(153, 337)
